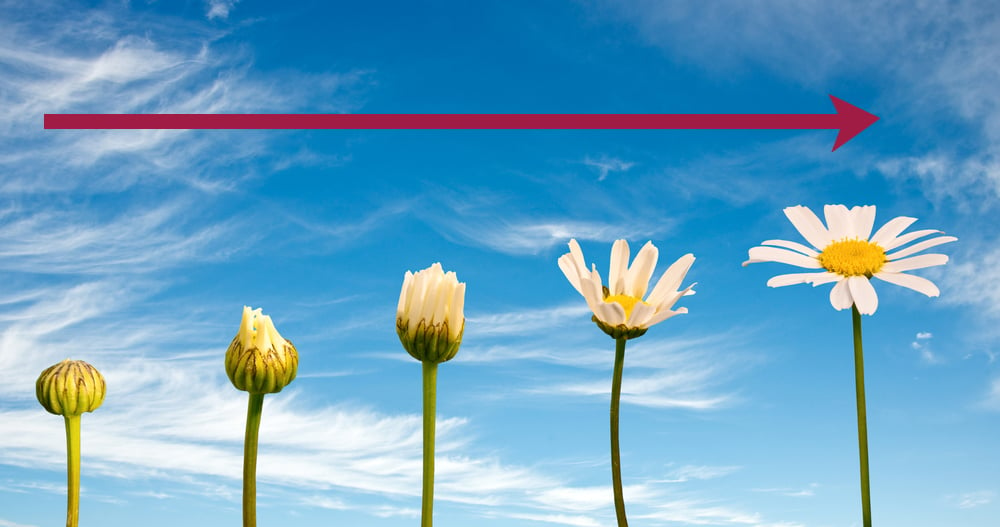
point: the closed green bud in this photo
(70, 388)
(259, 360)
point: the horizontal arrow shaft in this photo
(445, 121)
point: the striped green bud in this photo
(259, 360)
(70, 388)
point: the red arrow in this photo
(849, 120)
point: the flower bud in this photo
(259, 360)
(429, 318)
(70, 388)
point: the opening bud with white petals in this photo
(259, 360)
(429, 316)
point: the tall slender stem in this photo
(859, 382)
(430, 411)
(250, 460)
(72, 470)
(616, 462)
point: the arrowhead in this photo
(853, 121)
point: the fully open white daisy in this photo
(850, 255)
(620, 305)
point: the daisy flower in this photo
(849, 254)
(621, 311)
(620, 306)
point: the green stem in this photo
(616, 462)
(859, 381)
(250, 460)
(72, 470)
(430, 404)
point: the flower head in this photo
(429, 316)
(259, 360)
(619, 308)
(70, 388)
(850, 255)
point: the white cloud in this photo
(606, 164)
(806, 492)
(220, 8)
(922, 345)
(992, 400)
(699, 472)
(102, 61)
(971, 500)
(8, 523)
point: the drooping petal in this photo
(907, 238)
(916, 283)
(840, 296)
(795, 246)
(802, 278)
(611, 313)
(619, 267)
(775, 254)
(637, 278)
(809, 226)
(838, 221)
(862, 221)
(890, 230)
(660, 316)
(672, 299)
(864, 294)
(915, 262)
(917, 247)
(671, 279)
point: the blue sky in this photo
(136, 251)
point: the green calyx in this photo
(70, 388)
(621, 331)
(429, 343)
(261, 371)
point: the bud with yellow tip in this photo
(259, 360)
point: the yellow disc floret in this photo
(627, 302)
(852, 258)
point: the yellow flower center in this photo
(853, 258)
(626, 301)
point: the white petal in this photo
(404, 294)
(838, 221)
(610, 313)
(917, 247)
(568, 267)
(774, 254)
(641, 313)
(619, 266)
(809, 226)
(458, 305)
(891, 229)
(863, 294)
(660, 316)
(592, 292)
(671, 279)
(862, 221)
(802, 278)
(916, 283)
(840, 296)
(907, 238)
(669, 302)
(915, 262)
(795, 246)
(637, 279)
